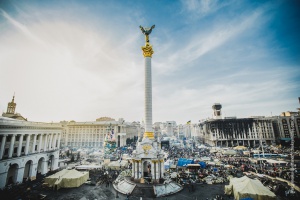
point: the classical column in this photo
(156, 170)
(34, 143)
(162, 170)
(45, 142)
(40, 143)
(3, 141)
(20, 145)
(11, 147)
(54, 141)
(141, 174)
(132, 169)
(152, 169)
(27, 144)
(58, 141)
(136, 169)
(50, 142)
(147, 52)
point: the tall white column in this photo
(45, 142)
(12, 145)
(3, 141)
(152, 170)
(27, 144)
(162, 169)
(20, 145)
(40, 142)
(141, 170)
(58, 141)
(54, 141)
(148, 95)
(133, 169)
(157, 170)
(34, 143)
(50, 142)
(136, 169)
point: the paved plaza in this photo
(85, 192)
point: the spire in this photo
(13, 98)
(11, 107)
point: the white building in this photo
(27, 149)
(92, 134)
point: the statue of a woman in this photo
(147, 31)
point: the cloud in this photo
(202, 42)
(84, 64)
(201, 8)
(22, 28)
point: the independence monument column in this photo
(147, 52)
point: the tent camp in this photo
(245, 187)
(67, 179)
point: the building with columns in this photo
(93, 133)
(27, 149)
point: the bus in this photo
(266, 155)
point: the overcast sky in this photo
(80, 60)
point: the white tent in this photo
(248, 188)
(67, 179)
(229, 152)
(117, 164)
(240, 148)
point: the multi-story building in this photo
(27, 149)
(92, 134)
(283, 127)
(237, 131)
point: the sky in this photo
(81, 60)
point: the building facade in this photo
(237, 131)
(27, 149)
(284, 127)
(92, 134)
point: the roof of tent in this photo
(245, 187)
(67, 178)
(184, 162)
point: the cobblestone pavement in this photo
(86, 192)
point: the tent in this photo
(87, 167)
(240, 148)
(116, 165)
(229, 152)
(182, 162)
(67, 179)
(202, 164)
(245, 187)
